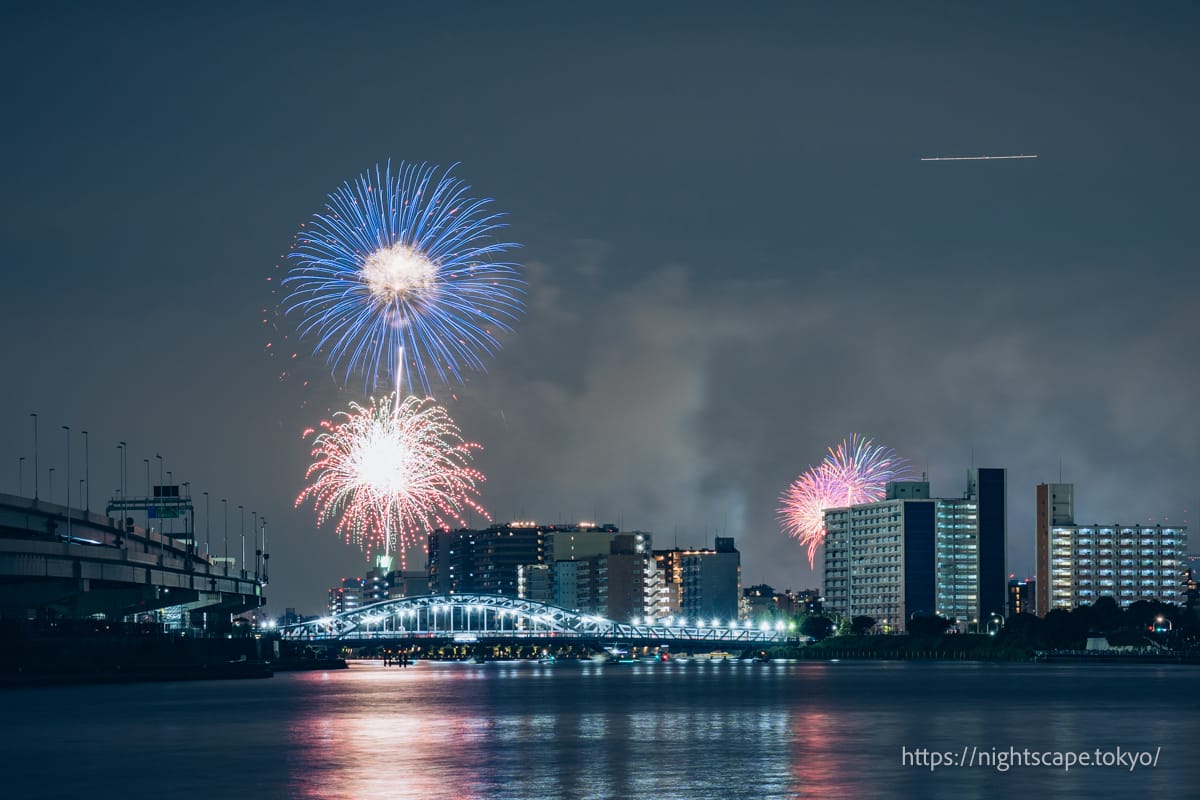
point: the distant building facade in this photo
(378, 585)
(763, 602)
(1022, 596)
(911, 554)
(700, 583)
(408, 583)
(347, 596)
(1078, 564)
(535, 582)
(971, 539)
(712, 582)
(484, 561)
(879, 557)
(590, 568)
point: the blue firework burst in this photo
(400, 279)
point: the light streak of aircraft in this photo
(974, 158)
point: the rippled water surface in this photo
(568, 730)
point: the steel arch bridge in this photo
(480, 617)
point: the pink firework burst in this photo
(856, 471)
(391, 473)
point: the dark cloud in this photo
(689, 406)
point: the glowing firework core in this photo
(399, 273)
(392, 473)
(382, 461)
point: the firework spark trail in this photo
(391, 473)
(856, 471)
(396, 282)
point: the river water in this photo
(582, 730)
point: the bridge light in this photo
(779, 625)
(683, 622)
(716, 623)
(764, 626)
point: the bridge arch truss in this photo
(483, 616)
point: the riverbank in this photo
(52, 658)
(144, 673)
(903, 647)
(970, 647)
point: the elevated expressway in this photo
(95, 567)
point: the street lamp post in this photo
(170, 482)
(35, 457)
(52, 484)
(21, 476)
(87, 473)
(189, 535)
(124, 448)
(67, 428)
(266, 555)
(257, 552)
(242, 563)
(146, 461)
(225, 503)
(207, 530)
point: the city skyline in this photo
(733, 254)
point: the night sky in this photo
(734, 256)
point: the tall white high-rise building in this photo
(879, 557)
